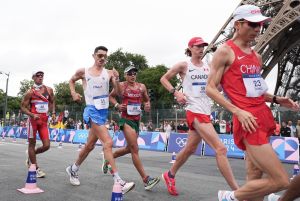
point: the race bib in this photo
(133, 108)
(101, 102)
(41, 107)
(255, 85)
(198, 89)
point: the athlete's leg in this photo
(208, 133)
(44, 136)
(89, 146)
(102, 133)
(31, 132)
(121, 151)
(264, 158)
(191, 146)
(252, 173)
(131, 138)
(293, 190)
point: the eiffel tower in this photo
(278, 43)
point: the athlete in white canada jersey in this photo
(194, 74)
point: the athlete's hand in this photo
(122, 107)
(180, 97)
(287, 102)
(147, 106)
(115, 74)
(76, 96)
(247, 120)
(36, 116)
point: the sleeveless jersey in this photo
(39, 102)
(97, 89)
(133, 99)
(194, 85)
(242, 82)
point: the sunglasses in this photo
(99, 56)
(39, 75)
(252, 24)
(131, 73)
(199, 46)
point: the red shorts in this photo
(40, 125)
(266, 127)
(191, 116)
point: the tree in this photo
(151, 78)
(120, 60)
(25, 85)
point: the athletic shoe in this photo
(74, 178)
(151, 182)
(225, 196)
(273, 197)
(170, 183)
(104, 165)
(40, 173)
(126, 186)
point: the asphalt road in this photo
(199, 178)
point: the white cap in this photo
(37, 71)
(250, 13)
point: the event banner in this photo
(286, 148)
(178, 141)
(232, 150)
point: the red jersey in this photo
(133, 99)
(240, 81)
(39, 102)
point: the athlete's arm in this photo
(112, 98)
(179, 68)
(51, 100)
(79, 74)
(25, 104)
(222, 58)
(146, 99)
(114, 75)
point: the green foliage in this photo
(151, 78)
(25, 85)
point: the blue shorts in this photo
(96, 116)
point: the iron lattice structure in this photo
(278, 43)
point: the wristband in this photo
(275, 99)
(116, 105)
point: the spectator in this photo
(150, 126)
(284, 130)
(293, 128)
(277, 129)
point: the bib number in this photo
(198, 89)
(133, 109)
(101, 102)
(255, 85)
(41, 107)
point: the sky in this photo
(59, 36)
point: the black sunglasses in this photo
(131, 73)
(252, 24)
(39, 75)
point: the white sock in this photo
(74, 168)
(232, 197)
(117, 177)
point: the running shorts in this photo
(191, 116)
(265, 129)
(39, 125)
(132, 123)
(98, 117)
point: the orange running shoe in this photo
(170, 183)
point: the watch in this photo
(275, 100)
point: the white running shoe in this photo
(273, 197)
(224, 196)
(40, 173)
(126, 186)
(74, 178)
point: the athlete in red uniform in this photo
(237, 67)
(133, 94)
(36, 103)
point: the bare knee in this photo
(134, 148)
(221, 150)
(89, 147)
(46, 147)
(107, 145)
(253, 173)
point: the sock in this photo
(116, 177)
(74, 168)
(170, 175)
(145, 180)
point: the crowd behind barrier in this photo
(287, 148)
